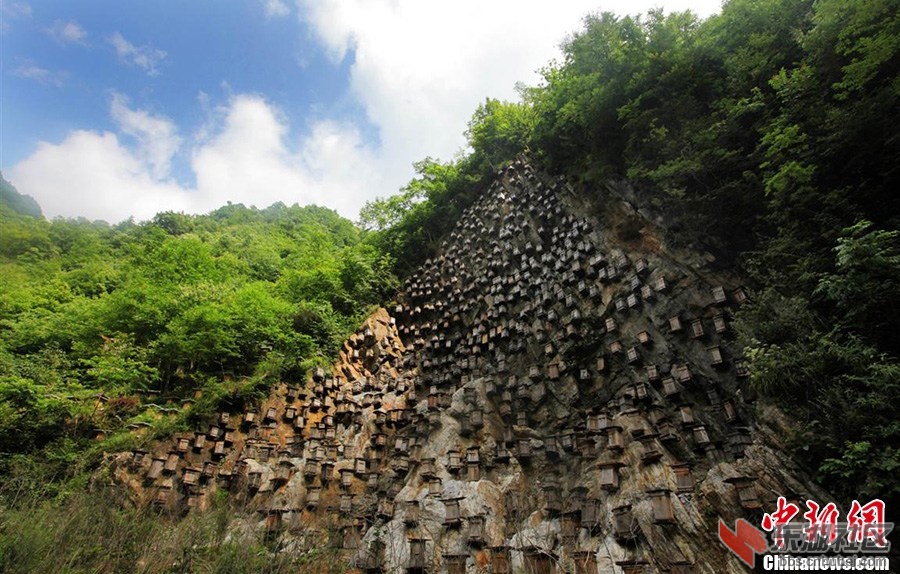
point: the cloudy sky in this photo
(111, 109)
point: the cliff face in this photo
(555, 390)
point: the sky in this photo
(112, 109)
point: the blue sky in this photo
(112, 109)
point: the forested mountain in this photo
(765, 136)
(147, 317)
(12, 199)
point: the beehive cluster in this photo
(544, 396)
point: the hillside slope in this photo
(556, 386)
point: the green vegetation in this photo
(765, 134)
(105, 329)
(94, 533)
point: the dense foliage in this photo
(109, 328)
(766, 134)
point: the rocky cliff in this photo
(557, 390)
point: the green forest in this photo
(106, 329)
(766, 135)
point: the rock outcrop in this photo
(555, 391)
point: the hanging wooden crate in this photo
(254, 480)
(651, 452)
(416, 554)
(681, 567)
(746, 492)
(156, 468)
(590, 514)
(451, 512)
(538, 561)
(661, 505)
(190, 476)
(199, 441)
(171, 462)
(521, 419)
(715, 356)
(675, 325)
(609, 476)
(687, 415)
(552, 499)
(215, 432)
(701, 437)
(728, 411)
(585, 562)
(312, 497)
(718, 295)
(350, 535)
(475, 535)
(454, 461)
(553, 371)
(624, 525)
(632, 355)
(697, 330)
(614, 438)
(163, 497)
(209, 470)
(632, 566)
(500, 563)
(385, 509)
(684, 480)
(523, 449)
(670, 387)
(456, 563)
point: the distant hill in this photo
(24, 204)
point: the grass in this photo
(93, 532)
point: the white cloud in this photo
(246, 158)
(31, 71)
(93, 175)
(70, 32)
(157, 137)
(419, 72)
(10, 10)
(275, 8)
(421, 68)
(145, 57)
